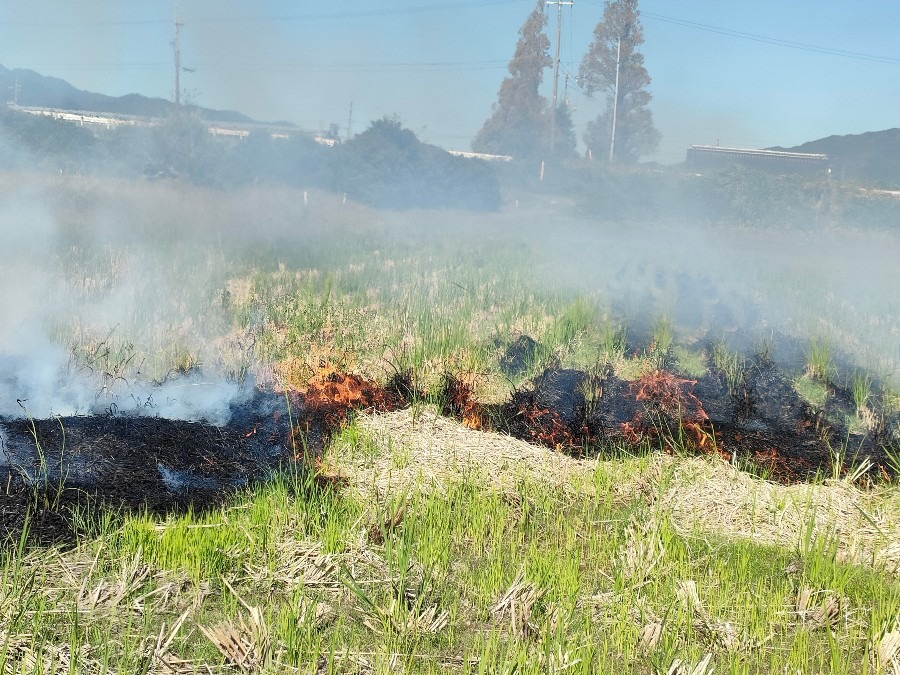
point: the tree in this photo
(389, 167)
(565, 132)
(183, 148)
(616, 40)
(520, 122)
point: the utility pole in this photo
(612, 141)
(177, 47)
(559, 5)
(350, 122)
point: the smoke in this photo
(42, 385)
(188, 397)
(41, 376)
(31, 367)
(776, 285)
(112, 291)
(741, 284)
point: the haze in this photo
(721, 71)
(127, 247)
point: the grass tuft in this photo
(819, 365)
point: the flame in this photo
(666, 396)
(669, 393)
(545, 427)
(460, 402)
(331, 395)
(788, 469)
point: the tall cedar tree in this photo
(519, 124)
(635, 133)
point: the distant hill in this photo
(872, 158)
(51, 92)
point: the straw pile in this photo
(418, 449)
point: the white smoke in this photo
(189, 397)
(48, 388)
(38, 376)
(35, 382)
(31, 366)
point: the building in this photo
(714, 158)
(104, 120)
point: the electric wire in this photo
(293, 67)
(419, 9)
(763, 39)
(320, 16)
(753, 37)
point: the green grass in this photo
(612, 342)
(861, 388)
(259, 278)
(819, 364)
(689, 362)
(812, 390)
(635, 368)
(732, 365)
(469, 579)
(663, 337)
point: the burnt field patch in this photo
(746, 410)
(60, 473)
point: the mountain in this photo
(51, 92)
(872, 158)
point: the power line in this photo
(370, 13)
(150, 65)
(357, 67)
(274, 66)
(321, 16)
(770, 40)
(765, 39)
(559, 5)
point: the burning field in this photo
(751, 416)
(134, 463)
(120, 410)
(302, 434)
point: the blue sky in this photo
(438, 65)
